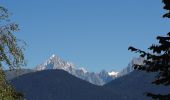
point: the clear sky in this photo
(94, 34)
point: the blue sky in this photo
(94, 34)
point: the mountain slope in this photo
(60, 85)
(133, 85)
(10, 74)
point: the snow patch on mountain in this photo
(113, 73)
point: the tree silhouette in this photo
(11, 55)
(158, 60)
(167, 7)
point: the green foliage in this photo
(7, 92)
(158, 60)
(11, 55)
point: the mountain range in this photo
(55, 62)
(57, 79)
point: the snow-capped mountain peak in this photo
(55, 62)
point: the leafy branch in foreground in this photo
(11, 55)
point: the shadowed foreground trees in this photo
(158, 60)
(11, 55)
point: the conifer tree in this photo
(158, 60)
